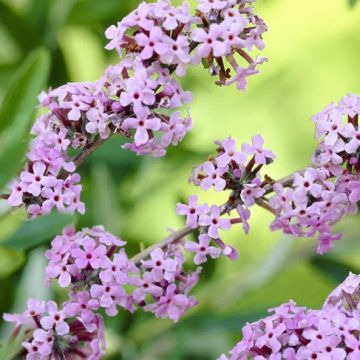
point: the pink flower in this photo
(55, 319)
(152, 44)
(244, 214)
(230, 154)
(143, 123)
(173, 305)
(207, 5)
(210, 42)
(18, 188)
(44, 341)
(145, 286)
(202, 249)
(115, 270)
(161, 266)
(37, 179)
(192, 211)
(271, 336)
(92, 255)
(306, 184)
(214, 222)
(109, 295)
(62, 270)
(213, 177)
(251, 192)
(116, 36)
(262, 156)
(82, 306)
(354, 187)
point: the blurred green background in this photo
(314, 58)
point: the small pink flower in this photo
(192, 211)
(92, 255)
(230, 154)
(55, 319)
(152, 44)
(214, 222)
(262, 156)
(213, 177)
(202, 249)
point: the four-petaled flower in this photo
(202, 249)
(192, 211)
(262, 156)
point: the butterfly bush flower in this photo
(325, 193)
(55, 332)
(139, 97)
(202, 249)
(293, 332)
(231, 171)
(192, 211)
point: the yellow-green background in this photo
(314, 58)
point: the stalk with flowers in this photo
(141, 99)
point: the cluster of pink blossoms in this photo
(94, 266)
(297, 333)
(58, 333)
(231, 170)
(330, 190)
(162, 34)
(139, 97)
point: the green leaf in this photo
(21, 97)
(24, 35)
(37, 13)
(86, 12)
(10, 261)
(352, 3)
(16, 112)
(107, 209)
(333, 268)
(38, 231)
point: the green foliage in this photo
(16, 112)
(11, 350)
(38, 231)
(135, 197)
(10, 261)
(87, 12)
(352, 2)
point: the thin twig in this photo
(171, 239)
(88, 150)
(286, 181)
(178, 235)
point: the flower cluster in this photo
(139, 97)
(231, 170)
(292, 332)
(163, 286)
(327, 192)
(166, 35)
(93, 264)
(57, 333)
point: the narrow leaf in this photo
(16, 112)
(22, 33)
(352, 3)
(19, 102)
(10, 261)
(38, 231)
(333, 268)
(85, 12)
(107, 209)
